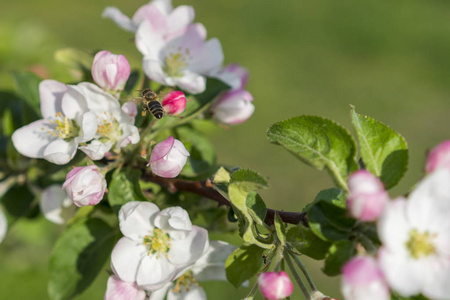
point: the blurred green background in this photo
(391, 59)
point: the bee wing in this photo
(138, 99)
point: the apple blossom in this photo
(85, 185)
(110, 71)
(438, 157)
(174, 103)
(182, 59)
(362, 279)
(67, 122)
(233, 107)
(367, 197)
(159, 13)
(117, 289)
(156, 244)
(3, 226)
(275, 285)
(415, 252)
(235, 75)
(115, 127)
(210, 267)
(168, 158)
(52, 202)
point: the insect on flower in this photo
(150, 103)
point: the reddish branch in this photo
(204, 188)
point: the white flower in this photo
(181, 59)
(115, 127)
(3, 226)
(53, 200)
(159, 13)
(210, 267)
(67, 122)
(156, 244)
(415, 235)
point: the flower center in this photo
(158, 243)
(176, 61)
(65, 128)
(186, 281)
(420, 244)
(108, 128)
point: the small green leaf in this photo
(340, 252)
(78, 256)
(27, 84)
(307, 243)
(318, 142)
(243, 263)
(256, 208)
(383, 150)
(221, 176)
(124, 187)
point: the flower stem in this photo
(250, 295)
(297, 278)
(302, 267)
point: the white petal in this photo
(191, 82)
(60, 152)
(393, 226)
(189, 249)
(51, 93)
(149, 41)
(151, 14)
(89, 126)
(436, 278)
(211, 266)
(32, 139)
(73, 104)
(119, 18)
(195, 293)
(161, 293)
(153, 69)
(165, 6)
(208, 59)
(96, 150)
(117, 289)
(3, 226)
(126, 258)
(52, 201)
(97, 99)
(155, 272)
(180, 17)
(136, 219)
(174, 221)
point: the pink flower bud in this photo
(438, 157)
(174, 103)
(85, 185)
(275, 285)
(367, 197)
(233, 107)
(168, 158)
(362, 279)
(117, 289)
(110, 71)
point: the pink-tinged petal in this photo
(153, 69)
(126, 258)
(60, 152)
(162, 149)
(195, 292)
(148, 41)
(438, 157)
(85, 185)
(50, 94)
(119, 18)
(174, 102)
(208, 59)
(191, 82)
(110, 71)
(166, 169)
(130, 108)
(165, 6)
(361, 271)
(155, 272)
(394, 216)
(137, 218)
(73, 103)
(180, 17)
(117, 289)
(239, 71)
(153, 16)
(96, 150)
(88, 126)
(189, 249)
(191, 37)
(403, 273)
(180, 147)
(233, 107)
(160, 294)
(53, 199)
(32, 139)
(3, 226)
(275, 285)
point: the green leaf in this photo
(242, 183)
(383, 150)
(328, 218)
(395, 296)
(280, 229)
(124, 187)
(243, 263)
(78, 256)
(221, 176)
(18, 200)
(318, 142)
(256, 208)
(27, 84)
(202, 155)
(307, 243)
(340, 252)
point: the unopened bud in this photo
(275, 285)
(110, 71)
(233, 107)
(438, 157)
(174, 103)
(168, 158)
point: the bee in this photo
(151, 104)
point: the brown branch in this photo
(204, 189)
